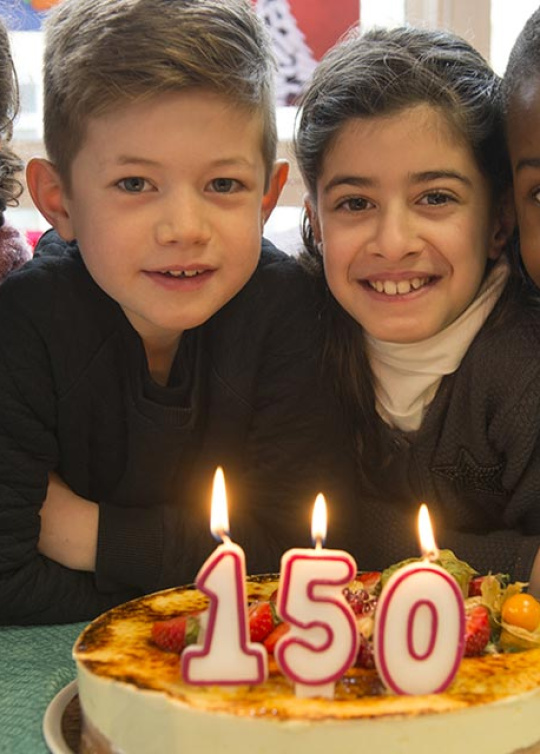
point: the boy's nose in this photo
(396, 234)
(183, 222)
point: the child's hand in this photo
(69, 527)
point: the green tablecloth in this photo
(35, 663)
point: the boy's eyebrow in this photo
(361, 181)
(528, 162)
(126, 159)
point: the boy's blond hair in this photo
(104, 53)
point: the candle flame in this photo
(425, 533)
(318, 521)
(219, 517)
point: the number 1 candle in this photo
(419, 631)
(226, 656)
(322, 641)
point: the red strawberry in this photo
(176, 633)
(261, 619)
(271, 640)
(477, 630)
(475, 586)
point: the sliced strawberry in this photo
(272, 638)
(477, 630)
(261, 619)
(176, 633)
(475, 586)
(273, 596)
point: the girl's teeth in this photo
(391, 288)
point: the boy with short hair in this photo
(162, 343)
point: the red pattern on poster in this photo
(323, 22)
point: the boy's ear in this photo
(504, 226)
(311, 212)
(47, 192)
(278, 179)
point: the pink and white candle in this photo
(322, 642)
(225, 656)
(419, 632)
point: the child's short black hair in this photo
(524, 59)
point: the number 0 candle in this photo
(419, 630)
(322, 641)
(226, 656)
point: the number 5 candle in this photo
(322, 641)
(419, 631)
(226, 656)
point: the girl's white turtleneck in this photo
(407, 375)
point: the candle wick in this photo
(318, 543)
(225, 538)
(431, 555)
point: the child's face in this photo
(524, 144)
(406, 221)
(167, 206)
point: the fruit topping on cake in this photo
(500, 617)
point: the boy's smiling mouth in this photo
(183, 273)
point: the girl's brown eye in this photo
(437, 198)
(355, 204)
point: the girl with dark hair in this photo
(431, 334)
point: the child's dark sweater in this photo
(76, 398)
(475, 460)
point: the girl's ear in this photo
(47, 191)
(313, 218)
(278, 179)
(504, 226)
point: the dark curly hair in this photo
(10, 164)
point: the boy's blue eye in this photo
(133, 185)
(224, 185)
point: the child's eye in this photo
(224, 185)
(436, 198)
(535, 193)
(134, 185)
(354, 204)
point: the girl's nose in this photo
(396, 234)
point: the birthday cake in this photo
(134, 700)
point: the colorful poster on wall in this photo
(302, 31)
(25, 15)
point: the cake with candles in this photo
(136, 699)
